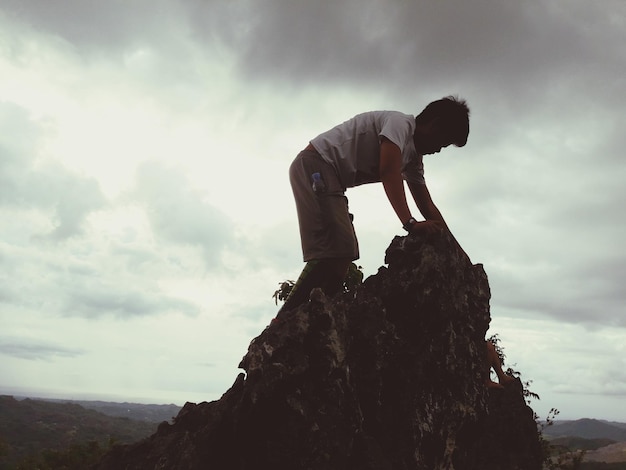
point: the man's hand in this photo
(427, 226)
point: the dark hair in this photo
(453, 114)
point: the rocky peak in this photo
(389, 377)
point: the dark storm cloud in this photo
(519, 55)
(361, 41)
(50, 188)
(144, 38)
(94, 26)
(503, 44)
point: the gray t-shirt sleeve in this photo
(413, 170)
(399, 130)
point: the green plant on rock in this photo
(528, 394)
(353, 279)
(553, 457)
(283, 291)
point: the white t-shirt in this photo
(353, 147)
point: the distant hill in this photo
(27, 427)
(580, 443)
(588, 429)
(136, 411)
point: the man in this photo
(494, 361)
(377, 146)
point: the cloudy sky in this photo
(147, 217)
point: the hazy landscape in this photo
(49, 433)
(604, 442)
(36, 432)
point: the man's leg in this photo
(336, 270)
(327, 274)
(328, 240)
(493, 360)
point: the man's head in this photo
(443, 122)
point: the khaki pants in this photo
(326, 229)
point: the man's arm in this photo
(429, 210)
(390, 171)
(425, 204)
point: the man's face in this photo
(430, 141)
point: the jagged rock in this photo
(389, 378)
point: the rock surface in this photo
(389, 378)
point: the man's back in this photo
(353, 147)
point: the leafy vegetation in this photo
(580, 443)
(353, 279)
(47, 435)
(555, 457)
(528, 395)
(603, 466)
(78, 456)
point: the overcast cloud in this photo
(148, 217)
